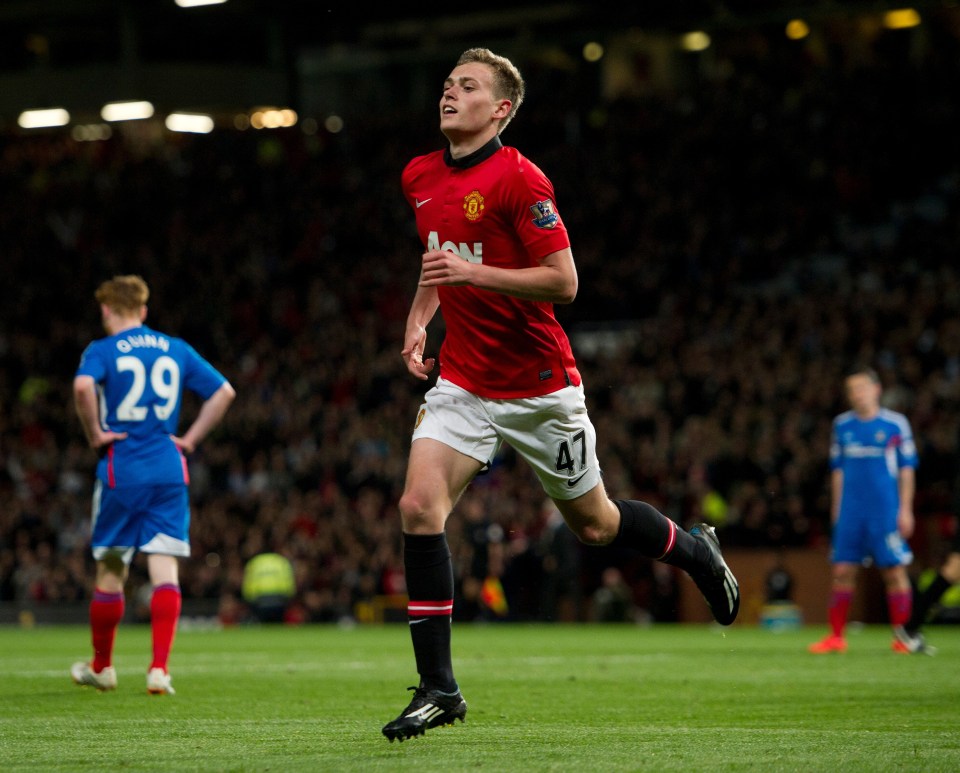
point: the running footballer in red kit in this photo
(494, 208)
(497, 258)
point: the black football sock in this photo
(647, 530)
(923, 601)
(429, 570)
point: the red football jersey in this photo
(494, 207)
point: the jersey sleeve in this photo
(836, 448)
(93, 363)
(199, 375)
(907, 448)
(536, 219)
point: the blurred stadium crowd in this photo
(740, 243)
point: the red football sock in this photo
(899, 606)
(839, 609)
(106, 612)
(164, 614)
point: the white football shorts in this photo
(553, 432)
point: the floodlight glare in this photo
(126, 111)
(196, 3)
(37, 119)
(797, 29)
(194, 123)
(901, 19)
(698, 40)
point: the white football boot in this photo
(158, 682)
(83, 674)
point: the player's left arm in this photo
(554, 280)
(906, 486)
(209, 416)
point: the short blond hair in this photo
(125, 293)
(507, 80)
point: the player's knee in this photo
(593, 534)
(594, 522)
(418, 516)
(951, 569)
(111, 569)
(844, 583)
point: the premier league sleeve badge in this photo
(543, 214)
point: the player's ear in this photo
(503, 108)
(143, 313)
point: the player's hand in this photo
(103, 439)
(412, 353)
(184, 445)
(906, 523)
(442, 267)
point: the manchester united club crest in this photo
(543, 214)
(423, 412)
(473, 205)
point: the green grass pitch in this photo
(541, 698)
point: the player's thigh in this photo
(453, 439)
(113, 536)
(165, 521)
(436, 471)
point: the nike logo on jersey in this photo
(575, 481)
(421, 203)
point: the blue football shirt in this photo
(141, 376)
(871, 452)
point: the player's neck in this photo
(119, 325)
(465, 144)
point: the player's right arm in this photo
(554, 280)
(836, 492)
(906, 485)
(836, 470)
(88, 411)
(424, 306)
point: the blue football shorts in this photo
(145, 519)
(857, 539)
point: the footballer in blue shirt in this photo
(128, 391)
(873, 461)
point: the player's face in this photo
(863, 393)
(468, 105)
